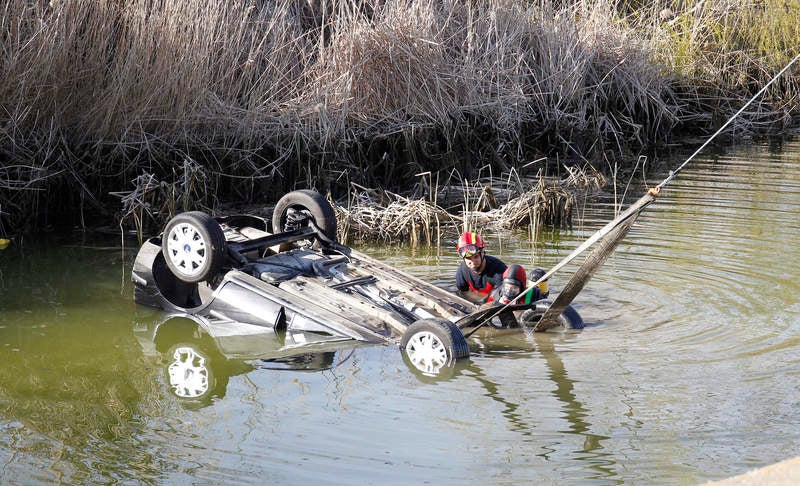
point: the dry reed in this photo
(387, 217)
(268, 96)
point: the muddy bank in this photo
(784, 473)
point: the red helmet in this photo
(516, 274)
(469, 244)
(514, 282)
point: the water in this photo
(687, 371)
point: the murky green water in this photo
(688, 370)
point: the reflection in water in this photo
(574, 410)
(199, 364)
(312, 361)
(72, 389)
(444, 372)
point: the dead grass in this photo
(269, 96)
(489, 204)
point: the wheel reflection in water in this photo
(188, 373)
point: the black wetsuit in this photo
(488, 280)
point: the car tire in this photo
(193, 245)
(569, 319)
(433, 344)
(306, 200)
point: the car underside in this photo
(290, 275)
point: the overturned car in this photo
(289, 275)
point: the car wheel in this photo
(193, 245)
(569, 319)
(189, 372)
(432, 344)
(310, 201)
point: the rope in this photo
(632, 212)
(673, 173)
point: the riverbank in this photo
(125, 113)
(784, 473)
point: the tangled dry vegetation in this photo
(495, 204)
(104, 102)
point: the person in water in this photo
(478, 274)
(515, 289)
(483, 278)
(515, 281)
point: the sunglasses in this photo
(468, 251)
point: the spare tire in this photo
(310, 202)
(432, 344)
(193, 245)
